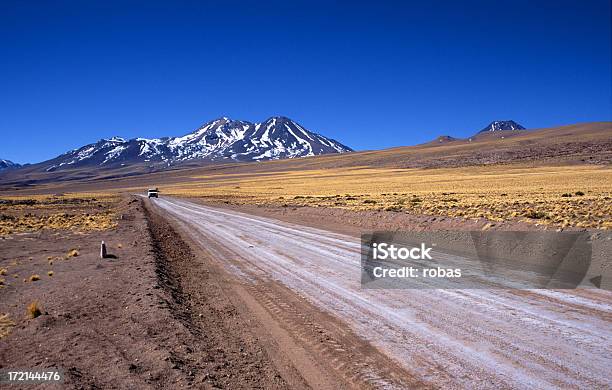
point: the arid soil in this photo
(131, 321)
(105, 322)
(174, 307)
(161, 313)
(224, 351)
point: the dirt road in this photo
(442, 338)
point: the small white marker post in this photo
(102, 250)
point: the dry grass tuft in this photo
(3, 271)
(535, 214)
(395, 208)
(72, 253)
(50, 273)
(34, 310)
(34, 278)
(5, 325)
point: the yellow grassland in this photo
(557, 195)
(74, 211)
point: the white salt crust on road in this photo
(536, 339)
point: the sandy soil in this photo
(106, 323)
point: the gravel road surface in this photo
(443, 338)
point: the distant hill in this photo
(7, 164)
(580, 143)
(443, 139)
(496, 129)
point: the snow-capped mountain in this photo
(501, 125)
(7, 164)
(220, 139)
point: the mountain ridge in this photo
(576, 144)
(220, 139)
(504, 125)
(8, 164)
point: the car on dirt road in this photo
(153, 193)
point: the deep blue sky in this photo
(370, 74)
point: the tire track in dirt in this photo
(330, 341)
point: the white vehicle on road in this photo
(153, 193)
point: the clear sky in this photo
(371, 74)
